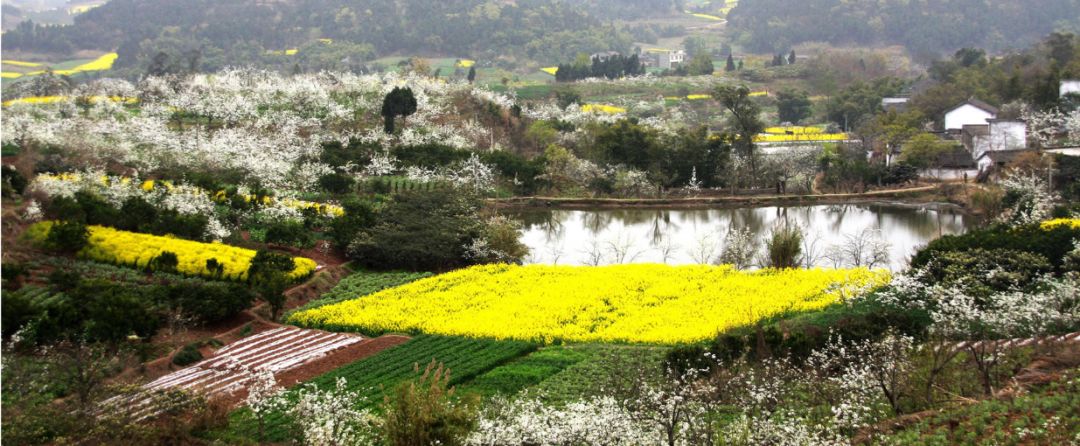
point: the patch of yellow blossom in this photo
(602, 108)
(135, 250)
(105, 62)
(1072, 223)
(466, 63)
(550, 70)
(18, 63)
(621, 303)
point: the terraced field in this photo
(379, 374)
(228, 372)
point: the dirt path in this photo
(716, 200)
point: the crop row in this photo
(193, 258)
(620, 303)
(376, 376)
(525, 372)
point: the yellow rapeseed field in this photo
(602, 108)
(104, 62)
(550, 70)
(804, 137)
(621, 303)
(466, 63)
(134, 249)
(795, 129)
(1073, 223)
(10, 75)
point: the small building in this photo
(1071, 86)
(670, 59)
(971, 112)
(897, 104)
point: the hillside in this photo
(493, 30)
(926, 27)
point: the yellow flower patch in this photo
(105, 62)
(805, 137)
(18, 63)
(1072, 223)
(550, 70)
(133, 249)
(621, 303)
(602, 108)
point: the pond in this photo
(834, 235)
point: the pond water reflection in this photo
(682, 236)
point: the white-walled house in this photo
(1002, 135)
(1070, 86)
(971, 112)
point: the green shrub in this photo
(165, 262)
(337, 183)
(14, 182)
(289, 232)
(1051, 244)
(137, 214)
(784, 246)
(13, 274)
(987, 270)
(187, 355)
(210, 302)
(67, 237)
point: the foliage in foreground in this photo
(623, 303)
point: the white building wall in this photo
(1003, 135)
(966, 114)
(1070, 86)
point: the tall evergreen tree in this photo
(472, 74)
(399, 102)
(730, 63)
(791, 57)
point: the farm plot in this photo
(229, 371)
(137, 250)
(379, 374)
(620, 303)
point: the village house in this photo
(971, 112)
(661, 58)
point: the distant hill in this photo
(924, 27)
(541, 30)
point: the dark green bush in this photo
(14, 182)
(63, 280)
(289, 232)
(67, 237)
(429, 155)
(137, 214)
(987, 270)
(64, 208)
(97, 210)
(165, 262)
(337, 183)
(13, 274)
(1051, 245)
(187, 355)
(210, 302)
